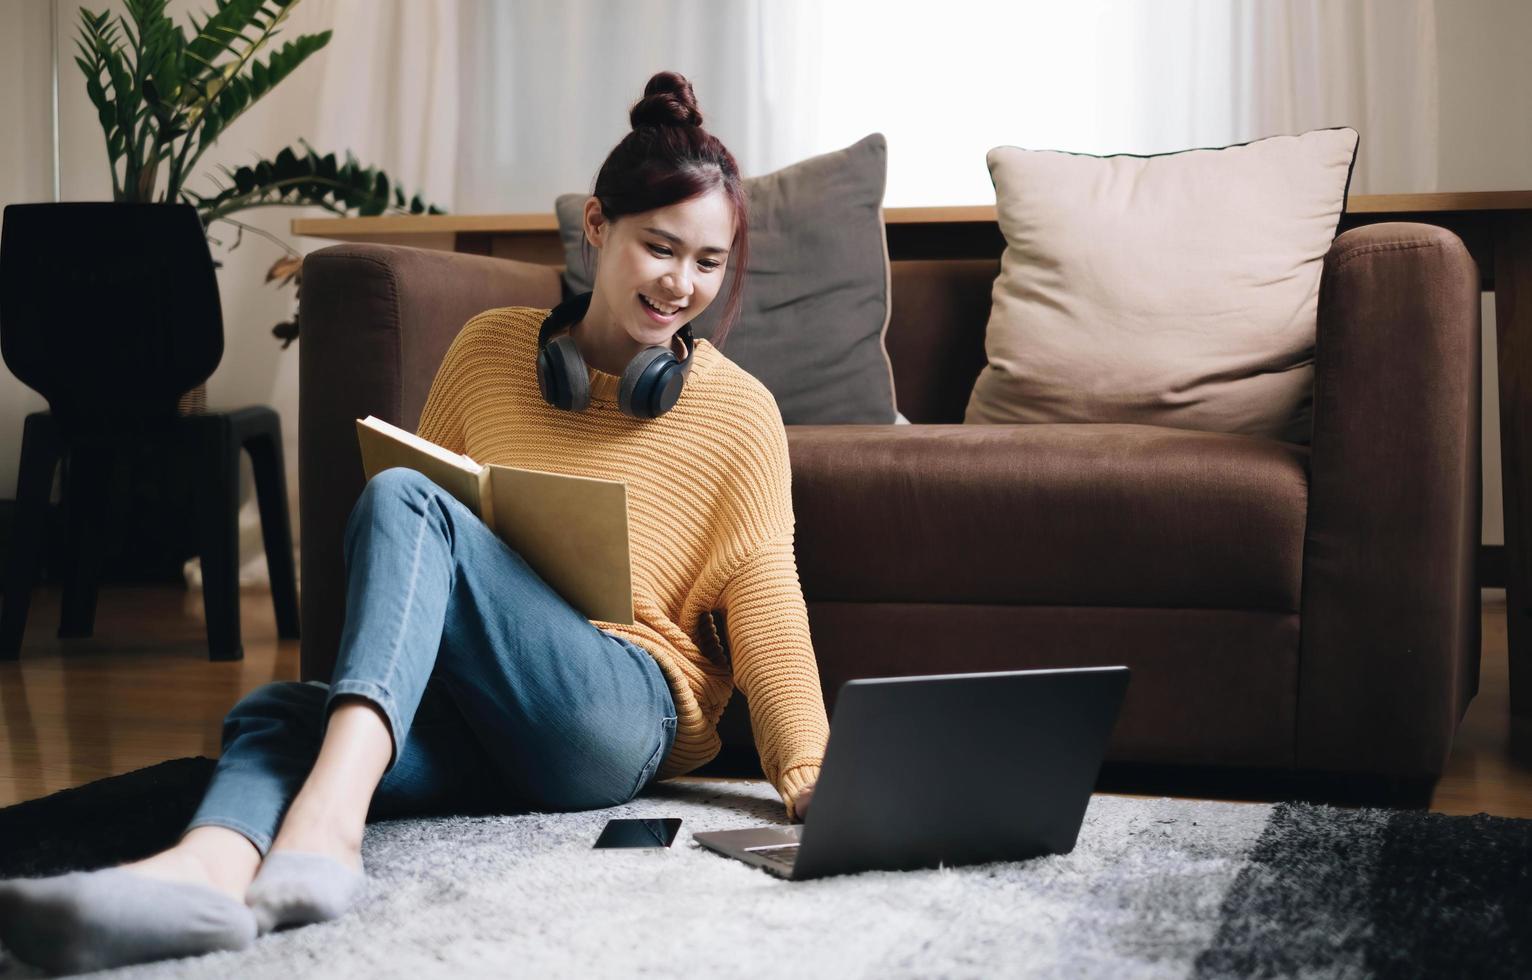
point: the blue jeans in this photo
(499, 695)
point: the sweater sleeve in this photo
(773, 662)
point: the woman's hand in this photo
(801, 805)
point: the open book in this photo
(572, 530)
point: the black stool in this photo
(213, 442)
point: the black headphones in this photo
(651, 383)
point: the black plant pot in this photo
(111, 312)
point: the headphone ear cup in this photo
(562, 376)
(651, 383)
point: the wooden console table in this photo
(1495, 225)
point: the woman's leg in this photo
(424, 575)
(571, 718)
(327, 815)
(401, 561)
(567, 716)
(82, 922)
(270, 739)
(301, 762)
(465, 614)
(290, 777)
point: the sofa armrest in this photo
(1390, 609)
(376, 322)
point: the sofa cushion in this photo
(816, 301)
(1176, 290)
(1209, 686)
(1073, 515)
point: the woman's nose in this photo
(680, 286)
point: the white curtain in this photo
(500, 107)
(1105, 76)
(492, 106)
(545, 87)
(388, 88)
(1368, 64)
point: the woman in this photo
(463, 682)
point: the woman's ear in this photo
(596, 225)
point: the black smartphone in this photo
(639, 833)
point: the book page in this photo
(385, 445)
(573, 531)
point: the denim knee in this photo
(393, 484)
(400, 480)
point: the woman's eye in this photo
(663, 251)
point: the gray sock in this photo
(93, 920)
(296, 889)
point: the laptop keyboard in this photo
(781, 855)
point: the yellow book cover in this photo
(572, 530)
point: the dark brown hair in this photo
(668, 158)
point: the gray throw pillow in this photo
(816, 299)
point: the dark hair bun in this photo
(668, 101)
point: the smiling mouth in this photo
(657, 308)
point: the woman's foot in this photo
(100, 919)
(295, 888)
(180, 902)
(313, 872)
(209, 856)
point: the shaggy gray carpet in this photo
(1153, 888)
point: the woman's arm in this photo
(774, 665)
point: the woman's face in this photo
(673, 257)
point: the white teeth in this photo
(657, 306)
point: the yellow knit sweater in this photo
(710, 523)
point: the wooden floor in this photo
(142, 691)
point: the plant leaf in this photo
(285, 268)
(310, 179)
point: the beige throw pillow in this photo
(1177, 290)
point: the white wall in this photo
(26, 174)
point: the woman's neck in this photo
(607, 347)
(600, 349)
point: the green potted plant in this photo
(163, 98)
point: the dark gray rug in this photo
(1154, 887)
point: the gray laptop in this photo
(946, 769)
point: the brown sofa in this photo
(1304, 609)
